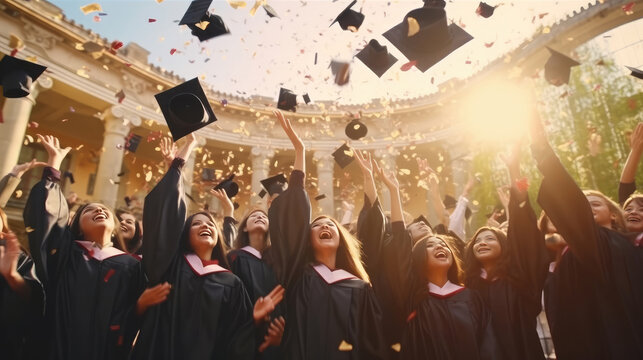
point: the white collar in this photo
(448, 289)
(249, 249)
(332, 277)
(197, 266)
(94, 251)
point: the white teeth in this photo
(205, 232)
(100, 217)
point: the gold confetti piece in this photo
(202, 25)
(344, 346)
(397, 347)
(18, 194)
(414, 26)
(546, 30)
(15, 42)
(148, 176)
(29, 229)
(32, 59)
(237, 4)
(405, 171)
(83, 73)
(79, 147)
(90, 8)
(159, 1)
(258, 3)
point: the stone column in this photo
(16, 113)
(261, 158)
(118, 123)
(388, 161)
(325, 166)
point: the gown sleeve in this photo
(458, 218)
(568, 209)
(229, 230)
(399, 267)
(289, 217)
(624, 191)
(239, 336)
(163, 221)
(370, 231)
(8, 185)
(46, 216)
(528, 254)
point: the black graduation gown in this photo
(515, 300)
(594, 297)
(91, 293)
(19, 319)
(229, 231)
(625, 190)
(207, 314)
(325, 319)
(451, 326)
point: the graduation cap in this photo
(421, 218)
(635, 72)
(287, 100)
(132, 141)
(558, 68)
(203, 24)
(274, 185)
(341, 70)
(70, 176)
(207, 174)
(450, 202)
(343, 156)
(306, 98)
(17, 75)
(425, 36)
(230, 187)
(485, 10)
(356, 129)
(185, 108)
(376, 57)
(349, 18)
(270, 11)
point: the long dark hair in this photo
(220, 249)
(77, 234)
(132, 245)
(473, 267)
(419, 259)
(243, 238)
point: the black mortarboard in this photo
(421, 218)
(450, 202)
(376, 57)
(558, 68)
(70, 176)
(132, 141)
(17, 75)
(203, 24)
(287, 100)
(343, 156)
(485, 10)
(635, 72)
(356, 129)
(306, 98)
(228, 185)
(270, 11)
(320, 197)
(185, 108)
(275, 184)
(341, 70)
(432, 38)
(349, 18)
(262, 193)
(207, 174)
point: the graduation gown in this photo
(207, 314)
(329, 314)
(91, 293)
(515, 299)
(594, 296)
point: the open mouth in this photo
(325, 235)
(100, 217)
(441, 254)
(123, 229)
(635, 219)
(259, 221)
(206, 232)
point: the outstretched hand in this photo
(9, 254)
(275, 333)
(224, 200)
(265, 305)
(388, 177)
(55, 152)
(364, 161)
(427, 172)
(152, 296)
(20, 169)
(290, 132)
(168, 150)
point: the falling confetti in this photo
(90, 8)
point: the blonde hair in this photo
(618, 223)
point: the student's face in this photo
(600, 210)
(487, 248)
(634, 216)
(419, 230)
(127, 226)
(324, 235)
(439, 255)
(203, 233)
(96, 218)
(257, 221)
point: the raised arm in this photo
(46, 214)
(627, 185)
(289, 216)
(9, 183)
(229, 222)
(164, 217)
(433, 182)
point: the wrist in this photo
(13, 278)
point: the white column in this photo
(388, 161)
(16, 113)
(261, 158)
(118, 123)
(325, 166)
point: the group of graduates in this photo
(293, 287)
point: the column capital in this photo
(43, 83)
(121, 113)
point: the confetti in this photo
(397, 347)
(90, 8)
(18, 194)
(237, 4)
(151, 20)
(408, 65)
(344, 346)
(116, 45)
(97, 18)
(172, 51)
(414, 26)
(627, 8)
(33, 125)
(120, 96)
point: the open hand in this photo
(9, 254)
(265, 305)
(152, 296)
(388, 177)
(20, 169)
(168, 150)
(224, 200)
(290, 132)
(55, 152)
(275, 333)
(364, 161)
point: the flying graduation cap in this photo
(185, 108)
(558, 68)
(343, 156)
(341, 70)
(17, 76)
(273, 185)
(132, 141)
(203, 24)
(485, 10)
(349, 19)
(287, 100)
(228, 185)
(425, 36)
(635, 72)
(356, 129)
(376, 57)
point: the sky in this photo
(262, 54)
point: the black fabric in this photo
(595, 295)
(229, 231)
(625, 190)
(320, 316)
(514, 299)
(90, 305)
(204, 317)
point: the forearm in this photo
(8, 185)
(300, 159)
(18, 284)
(438, 206)
(369, 188)
(396, 206)
(629, 170)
